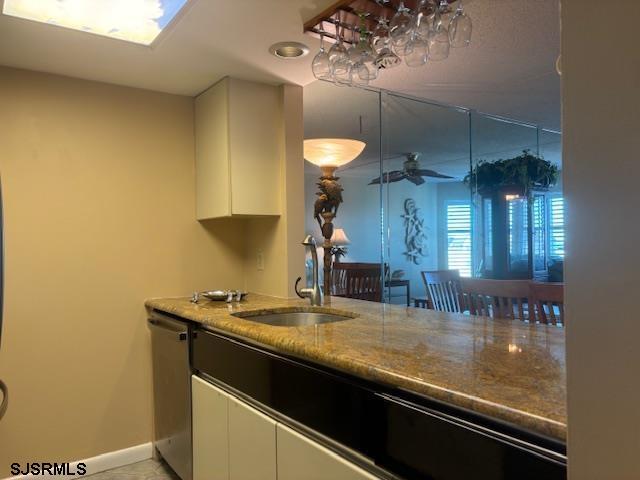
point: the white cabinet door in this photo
(238, 132)
(301, 458)
(210, 418)
(233, 441)
(252, 443)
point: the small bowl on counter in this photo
(219, 296)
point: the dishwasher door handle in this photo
(180, 334)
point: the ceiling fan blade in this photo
(390, 177)
(415, 179)
(431, 173)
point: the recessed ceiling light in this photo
(138, 21)
(289, 50)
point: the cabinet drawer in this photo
(301, 458)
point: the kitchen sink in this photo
(294, 318)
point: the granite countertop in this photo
(508, 370)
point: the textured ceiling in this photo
(508, 70)
(213, 38)
(445, 137)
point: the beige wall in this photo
(279, 238)
(100, 214)
(601, 115)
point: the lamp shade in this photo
(335, 152)
(339, 237)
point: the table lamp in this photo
(339, 241)
(329, 154)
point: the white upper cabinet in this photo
(239, 146)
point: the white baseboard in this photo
(106, 461)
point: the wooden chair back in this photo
(547, 301)
(443, 289)
(497, 298)
(362, 281)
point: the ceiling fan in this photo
(410, 170)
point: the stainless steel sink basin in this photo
(293, 318)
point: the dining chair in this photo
(497, 298)
(547, 301)
(443, 290)
(362, 281)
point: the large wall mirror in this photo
(410, 203)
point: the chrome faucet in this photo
(314, 294)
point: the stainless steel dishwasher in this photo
(172, 392)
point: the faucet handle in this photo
(296, 287)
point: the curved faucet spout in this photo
(314, 293)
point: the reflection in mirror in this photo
(414, 204)
(333, 112)
(516, 186)
(427, 212)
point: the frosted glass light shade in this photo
(335, 152)
(339, 237)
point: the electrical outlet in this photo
(260, 260)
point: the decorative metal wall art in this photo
(415, 237)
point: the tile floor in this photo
(147, 470)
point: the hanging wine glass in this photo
(387, 58)
(320, 65)
(352, 51)
(339, 59)
(438, 40)
(380, 36)
(460, 28)
(337, 50)
(400, 28)
(360, 74)
(445, 11)
(423, 17)
(341, 67)
(416, 51)
(342, 72)
(365, 54)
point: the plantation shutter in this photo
(556, 227)
(459, 238)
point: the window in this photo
(459, 238)
(518, 234)
(539, 233)
(556, 227)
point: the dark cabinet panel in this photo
(407, 435)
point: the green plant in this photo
(526, 171)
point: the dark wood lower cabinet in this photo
(409, 435)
